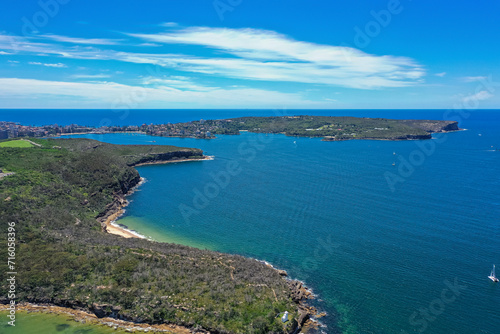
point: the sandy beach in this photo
(113, 228)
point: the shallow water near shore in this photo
(325, 212)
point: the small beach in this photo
(112, 227)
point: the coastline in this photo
(110, 226)
(90, 318)
(205, 157)
(113, 228)
(138, 132)
(96, 133)
(306, 321)
(328, 138)
(299, 292)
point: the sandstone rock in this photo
(282, 273)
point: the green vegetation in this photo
(16, 143)
(28, 322)
(64, 258)
(335, 128)
(329, 127)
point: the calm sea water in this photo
(388, 249)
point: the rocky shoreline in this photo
(115, 209)
(428, 126)
(100, 315)
(86, 317)
(109, 315)
(300, 294)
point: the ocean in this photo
(392, 236)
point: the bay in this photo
(411, 258)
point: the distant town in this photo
(329, 127)
(196, 129)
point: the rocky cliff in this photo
(168, 156)
(432, 126)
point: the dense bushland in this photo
(64, 258)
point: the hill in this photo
(65, 258)
(335, 128)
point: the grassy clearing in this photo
(16, 143)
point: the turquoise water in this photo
(324, 211)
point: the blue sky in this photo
(249, 54)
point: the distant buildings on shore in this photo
(197, 129)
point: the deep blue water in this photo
(381, 260)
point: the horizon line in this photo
(2, 109)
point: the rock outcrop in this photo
(432, 126)
(170, 156)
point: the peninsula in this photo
(331, 128)
(61, 191)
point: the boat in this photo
(492, 275)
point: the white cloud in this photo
(479, 96)
(149, 44)
(58, 65)
(176, 82)
(442, 74)
(474, 79)
(168, 24)
(267, 55)
(76, 40)
(4, 53)
(13, 61)
(248, 54)
(114, 95)
(90, 76)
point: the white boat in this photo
(492, 275)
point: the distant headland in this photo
(330, 128)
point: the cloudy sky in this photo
(249, 54)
